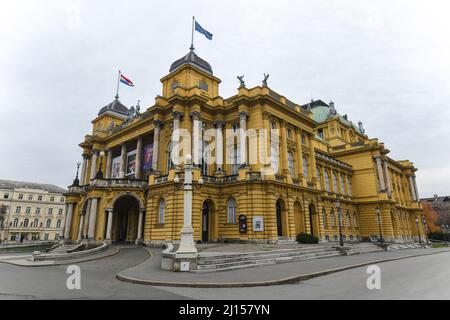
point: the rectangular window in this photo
(62, 199)
(174, 85)
(20, 196)
(38, 210)
(6, 196)
(131, 163)
(203, 86)
(39, 198)
(303, 139)
(50, 210)
(320, 133)
(28, 210)
(18, 209)
(60, 211)
(115, 173)
(52, 198)
(30, 197)
(289, 133)
(46, 236)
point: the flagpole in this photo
(192, 38)
(118, 83)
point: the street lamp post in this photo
(424, 222)
(418, 230)
(378, 211)
(338, 207)
(99, 174)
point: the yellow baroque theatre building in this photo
(287, 169)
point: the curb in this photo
(62, 263)
(289, 280)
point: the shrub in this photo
(307, 238)
(438, 236)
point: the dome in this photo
(320, 114)
(115, 106)
(194, 60)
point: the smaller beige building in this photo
(31, 211)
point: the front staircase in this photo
(232, 261)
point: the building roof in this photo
(438, 199)
(192, 59)
(10, 184)
(115, 106)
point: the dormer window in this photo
(203, 86)
(174, 85)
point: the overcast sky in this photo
(386, 63)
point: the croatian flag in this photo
(126, 81)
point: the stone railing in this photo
(134, 183)
(254, 176)
(162, 179)
(279, 178)
(76, 189)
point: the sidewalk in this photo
(150, 272)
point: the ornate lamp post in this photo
(187, 251)
(418, 229)
(378, 211)
(99, 174)
(338, 208)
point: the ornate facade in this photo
(276, 169)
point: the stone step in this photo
(250, 256)
(261, 262)
(205, 256)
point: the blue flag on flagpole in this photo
(206, 33)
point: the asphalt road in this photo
(97, 280)
(425, 277)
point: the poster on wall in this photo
(147, 156)
(131, 163)
(258, 224)
(115, 170)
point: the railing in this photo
(279, 178)
(76, 189)
(119, 183)
(231, 178)
(254, 176)
(162, 179)
(296, 181)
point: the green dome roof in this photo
(320, 114)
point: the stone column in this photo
(156, 134)
(284, 149)
(415, 188)
(123, 161)
(298, 133)
(219, 146)
(83, 169)
(68, 223)
(140, 224)
(380, 174)
(176, 137)
(388, 177)
(411, 187)
(108, 164)
(187, 249)
(94, 164)
(312, 152)
(109, 225)
(80, 228)
(196, 140)
(92, 219)
(243, 137)
(138, 171)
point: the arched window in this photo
(49, 223)
(36, 223)
(333, 219)
(169, 163)
(161, 210)
(231, 210)
(305, 167)
(16, 222)
(58, 224)
(335, 183)
(324, 217)
(291, 163)
(319, 176)
(342, 181)
(349, 186)
(327, 180)
(25, 223)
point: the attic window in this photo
(203, 86)
(174, 85)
